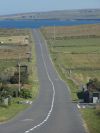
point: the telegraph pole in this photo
(19, 75)
(54, 33)
(54, 36)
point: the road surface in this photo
(53, 110)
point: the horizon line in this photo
(19, 13)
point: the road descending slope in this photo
(53, 110)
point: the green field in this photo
(7, 113)
(80, 54)
(88, 45)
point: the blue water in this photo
(42, 23)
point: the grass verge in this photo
(73, 88)
(7, 113)
(92, 119)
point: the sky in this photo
(21, 6)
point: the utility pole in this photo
(54, 36)
(19, 75)
(54, 31)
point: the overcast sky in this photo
(20, 6)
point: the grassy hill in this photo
(63, 14)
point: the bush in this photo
(94, 84)
(6, 91)
(80, 94)
(25, 93)
(23, 78)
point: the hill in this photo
(63, 15)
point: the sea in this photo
(43, 23)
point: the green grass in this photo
(82, 54)
(84, 76)
(7, 113)
(78, 50)
(92, 119)
(78, 60)
(88, 45)
(74, 89)
(4, 64)
(77, 42)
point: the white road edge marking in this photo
(53, 98)
(27, 120)
(78, 106)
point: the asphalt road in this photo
(53, 110)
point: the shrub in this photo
(25, 93)
(93, 84)
(6, 91)
(23, 78)
(80, 94)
